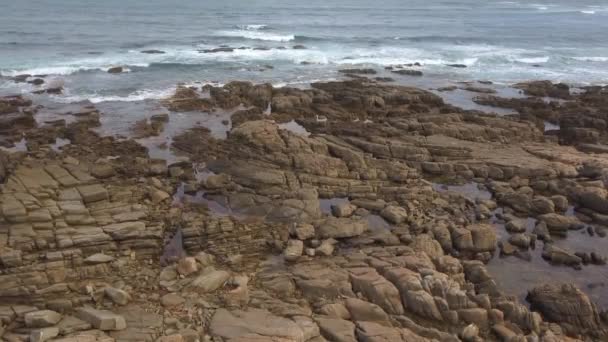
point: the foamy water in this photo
(290, 42)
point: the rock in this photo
(98, 258)
(520, 240)
(358, 71)
(516, 226)
(117, 296)
(484, 238)
(239, 325)
(361, 310)
(543, 205)
(153, 51)
(343, 209)
(172, 299)
(102, 171)
(93, 193)
(41, 319)
(477, 316)
(377, 289)
(101, 319)
(557, 223)
(293, 250)
(326, 248)
(470, 333)
(340, 228)
(407, 72)
(560, 202)
(210, 280)
(157, 196)
(115, 70)
(564, 303)
(506, 248)
(304, 231)
(44, 334)
(559, 255)
(171, 338)
(394, 214)
(186, 266)
(337, 330)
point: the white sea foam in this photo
(587, 12)
(139, 95)
(531, 60)
(253, 27)
(591, 59)
(257, 35)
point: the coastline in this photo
(355, 208)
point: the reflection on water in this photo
(294, 127)
(472, 191)
(19, 146)
(326, 203)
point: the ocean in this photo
(287, 42)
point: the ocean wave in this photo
(257, 35)
(587, 12)
(139, 95)
(531, 60)
(252, 27)
(591, 59)
(67, 70)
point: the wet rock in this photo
(151, 52)
(564, 303)
(516, 226)
(343, 209)
(407, 72)
(358, 71)
(220, 49)
(560, 256)
(520, 240)
(101, 319)
(115, 70)
(470, 333)
(558, 224)
(41, 319)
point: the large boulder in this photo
(564, 303)
(334, 227)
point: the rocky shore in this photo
(349, 211)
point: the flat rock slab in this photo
(102, 319)
(239, 325)
(42, 318)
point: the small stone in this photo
(293, 250)
(70, 160)
(204, 259)
(343, 209)
(470, 332)
(42, 318)
(304, 231)
(98, 258)
(117, 296)
(102, 171)
(101, 319)
(327, 247)
(210, 280)
(172, 299)
(310, 252)
(158, 196)
(187, 266)
(176, 171)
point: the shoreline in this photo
(349, 207)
